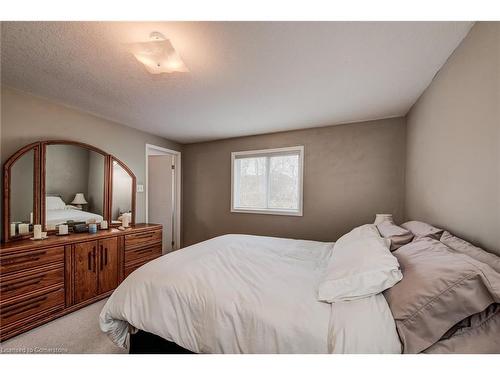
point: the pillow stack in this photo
(449, 298)
(441, 287)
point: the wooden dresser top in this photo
(54, 240)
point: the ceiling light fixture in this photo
(158, 55)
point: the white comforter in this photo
(246, 294)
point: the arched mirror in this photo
(74, 181)
(65, 182)
(21, 182)
(122, 197)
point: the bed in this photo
(244, 294)
(253, 294)
(57, 212)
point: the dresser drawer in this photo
(30, 259)
(149, 252)
(143, 238)
(27, 282)
(31, 306)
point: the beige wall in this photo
(26, 118)
(351, 172)
(453, 143)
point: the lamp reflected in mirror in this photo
(79, 200)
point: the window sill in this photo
(267, 212)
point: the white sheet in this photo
(363, 326)
(237, 294)
(55, 217)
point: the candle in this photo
(125, 221)
(104, 224)
(37, 231)
(24, 228)
(63, 229)
(31, 217)
(12, 229)
(93, 228)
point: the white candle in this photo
(63, 229)
(31, 217)
(12, 230)
(104, 224)
(37, 231)
(125, 221)
(24, 228)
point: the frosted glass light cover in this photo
(158, 56)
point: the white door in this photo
(161, 199)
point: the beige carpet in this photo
(77, 332)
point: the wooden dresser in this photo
(43, 280)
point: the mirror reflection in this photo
(121, 206)
(21, 194)
(74, 185)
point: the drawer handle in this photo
(146, 235)
(22, 260)
(22, 307)
(19, 284)
(101, 258)
(142, 251)
(105, 256)
(16, 259)
(94, 259)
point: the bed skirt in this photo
(143, 342)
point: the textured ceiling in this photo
(245, 77)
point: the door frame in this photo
(176, 188)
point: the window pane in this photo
(251, 183)
(284, 182)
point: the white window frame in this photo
(267, 152)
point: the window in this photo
(267, 181)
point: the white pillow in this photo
(54, 203)
(361, 265)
